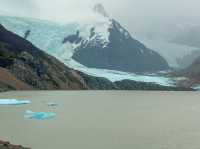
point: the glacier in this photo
(48, 36)
(114, 75)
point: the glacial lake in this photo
(104, 120)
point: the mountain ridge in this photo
(122, 52)
(28, 68)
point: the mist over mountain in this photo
(26, 8)
(138, 16)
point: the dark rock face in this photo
(96, 83)
(133, 85)
(34, 67)
(122, 53)
(7, 145)
(73, 38)
(27, 33)
(9, 82)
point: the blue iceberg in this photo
(39, 115)
(197, 88)
(13, 102)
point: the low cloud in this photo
(134, 14)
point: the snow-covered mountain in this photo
(95, 37)
(115, 49)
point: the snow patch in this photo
(142, 51)
(101, 27)
(127, 35)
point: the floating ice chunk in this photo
(52, 104)
(39, 115)
(197, 88)
(13, 102)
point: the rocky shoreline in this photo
(7, 145)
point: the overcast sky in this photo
(134, 14)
